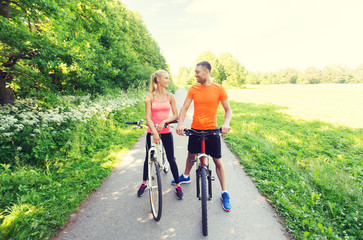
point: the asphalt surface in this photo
(115, 212)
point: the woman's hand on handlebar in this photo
(156, 138)
(160, 126)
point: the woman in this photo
(158, 104)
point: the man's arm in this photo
(182, 114)
(227, 116)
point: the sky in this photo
(263, 35)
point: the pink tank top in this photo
(159, 112)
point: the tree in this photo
(233, 71)
(253, 78)
(22, 28)
(82, 45)
(312, 75)
(357, 75)
(44, 45)
(287, 76)
(186, 76)
(334, 74)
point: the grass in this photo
(335, 103)
(310, 170)
(37, 199)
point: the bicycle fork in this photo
(203, 161)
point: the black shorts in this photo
(212, 145)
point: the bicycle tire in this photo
(203, 176)
(155, 190)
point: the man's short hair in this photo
(206, 65)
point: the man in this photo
(206, 95)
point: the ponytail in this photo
(153, 79)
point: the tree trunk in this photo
(6, 93)
(4, 8)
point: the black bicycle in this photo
(204, 174)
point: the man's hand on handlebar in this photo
(225, 128)
(180, 130)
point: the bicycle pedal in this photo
(212, 178)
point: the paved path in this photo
(115, 212)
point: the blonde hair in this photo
(153, 79)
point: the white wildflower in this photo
(8, 134)
(36, 131)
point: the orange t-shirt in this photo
(206, 102)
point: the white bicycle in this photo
(157, 162)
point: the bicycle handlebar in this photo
(175, 121)
(141, 122)
(215, 131)
(134, 123)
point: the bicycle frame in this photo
(157, 152)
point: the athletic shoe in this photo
(141, 191)
(226, 205)
(182, 180)
(179, 193)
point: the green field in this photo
(303, 148)
(336, 103)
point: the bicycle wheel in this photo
(203, 176)
(155, 190)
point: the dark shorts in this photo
(212, 145)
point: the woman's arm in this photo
(149, 122)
